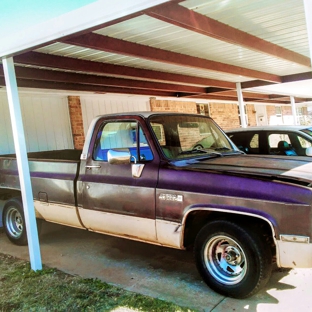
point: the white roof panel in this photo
(159, 34)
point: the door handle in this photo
(95, 166)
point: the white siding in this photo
(46, 123)
(93, 106)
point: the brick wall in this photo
(225, 115)
(278, 119)
(251, 113)
(172, 106)
(76, 120)
(270, 111)
(286, 110)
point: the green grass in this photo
(52, 290)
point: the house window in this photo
(203, 109)
(278, 111)
(299, 111)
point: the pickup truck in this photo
(142, 176)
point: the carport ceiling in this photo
(197, 49)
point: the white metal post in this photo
(308, 16)
(241, 105)
(22, 163)
(293, 109)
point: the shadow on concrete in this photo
(156, 271)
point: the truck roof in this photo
(144, 114)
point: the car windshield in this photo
(182, 136)
(307, 131)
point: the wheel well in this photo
(6, 194)
(197, 219)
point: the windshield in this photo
(307, 131)
(183, 136)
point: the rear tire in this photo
(14, 222)
(231, 260)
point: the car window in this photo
(246, 141)
(254, 143)
(303, 142)
(181, 136)
(275, 138)
(307, 131)
(122, 134)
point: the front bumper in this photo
(294, 252)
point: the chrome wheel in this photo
(225, 260)
(14, 222)
(232, 260)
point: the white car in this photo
(273, 140)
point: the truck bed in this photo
(53, 174)
(66, 154)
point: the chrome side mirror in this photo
(120, 156)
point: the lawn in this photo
(52, 290)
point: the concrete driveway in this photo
(158, 272)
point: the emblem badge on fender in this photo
(171, 197)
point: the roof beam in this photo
(182, 17)
(246, 94)
(297, 77)
(255, 83)
(231, 93)
(68, 63)
(113, 45)
(40, 84)
(279, 100)
(68, 86)
(86, 17)
(284, 79)
(66, 77)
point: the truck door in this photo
(113, 201)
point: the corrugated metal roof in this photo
(281, 23)
(162, 35)
(66, 50)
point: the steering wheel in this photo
(197, 147)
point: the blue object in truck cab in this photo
(145, 154)
(123, 139)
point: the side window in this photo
(254, 143)
(248, 142)
(303, 142)
(123, 134)
(275, 138)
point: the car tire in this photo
(231, 260)
(13, 220)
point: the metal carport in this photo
(192, 49)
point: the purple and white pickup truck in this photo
(142, 176)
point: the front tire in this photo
(232, 261)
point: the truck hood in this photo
(286, 168)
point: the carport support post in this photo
(293, 109)
(241, 105)
(308, 16)
(22, 163)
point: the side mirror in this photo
(308, 151)
(120, 156)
